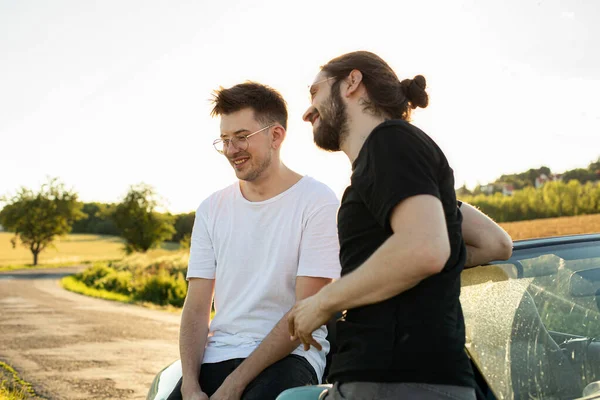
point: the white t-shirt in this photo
(255, 251)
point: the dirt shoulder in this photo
(69, 346)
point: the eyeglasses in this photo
(239, 142)
(314, 84)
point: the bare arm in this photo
(276, 345)
(195, 319)
(485, 240)
(419, 243)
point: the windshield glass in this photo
(533, 321)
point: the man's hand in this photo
(228, 391)
(306, 317)
(193, 394)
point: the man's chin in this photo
(324, 145)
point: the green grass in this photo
(42, 266)
(74, 249)
(12, 387)
(72, 284)
(70, 249)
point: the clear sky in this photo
(105, 94)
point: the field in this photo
(81, 247)
(67, 250)
(553, 227)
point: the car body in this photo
(532, 324)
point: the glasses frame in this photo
(239, 139)
(310, 97)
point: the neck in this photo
(360, 126)
(275, 180)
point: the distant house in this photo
(543, 178)
(508, 189)
(487, 189)
(540, 180)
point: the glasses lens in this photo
(218, 144)
(240, 143)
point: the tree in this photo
(579, 174)
(140, 225)
(98, 220)
(39, 218)
(595, 166)
(184, 223)
(463, 191)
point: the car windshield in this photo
(533, 322)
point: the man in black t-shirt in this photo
(401, 245)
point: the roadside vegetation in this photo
(12, 387)
(156, 277)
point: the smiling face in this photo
(327, 113)
(248, 163)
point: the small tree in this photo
(39, 218)
(140, 224)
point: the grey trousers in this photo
(389, 391)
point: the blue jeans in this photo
(389, 391)
(289, 372)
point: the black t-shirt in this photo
(418, 335)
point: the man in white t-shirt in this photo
(260, 245)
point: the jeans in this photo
(289, 372)
(389, 391)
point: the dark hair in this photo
(267, 103)
(387, 95)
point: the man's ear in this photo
(278, 136)
(353, 80)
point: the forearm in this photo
(485, 240)
(476, 256)
(395, 267)
(273, 348)
(192, 341)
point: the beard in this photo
(333, 123)
(256, 172)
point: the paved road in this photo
(70, 346)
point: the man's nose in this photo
(230, 150)
(308, 115)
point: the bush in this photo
(95, 273)
(116, 281)
(163, 289)
(554, 199)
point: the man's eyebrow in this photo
(236, 132)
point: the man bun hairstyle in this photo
(388, 97)
(267, 103)
(414, 90)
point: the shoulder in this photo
(217, 200)
(399, 132)
(395, 142)
(314, 190)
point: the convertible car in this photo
(532, 324)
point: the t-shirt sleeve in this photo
(202, 262)
(398, 164)
(319, 247)
(459, 203)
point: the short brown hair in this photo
(267, 103)
(387, 95)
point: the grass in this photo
(74, 249)
(70, 283)
(71, 249)
(41, 266)
(547, 227)
(73, 285)
(12, 387)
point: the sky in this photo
(104, 95)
